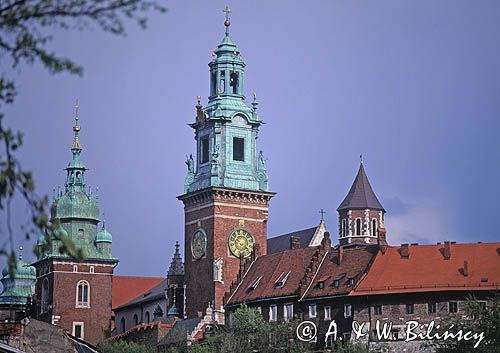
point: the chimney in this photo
(404, 251)
(294, 243)
(340, 254)
(382, 233)
(466, 268)
(326, 242)
(447, 250)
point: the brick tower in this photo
(226, 195)
(75, 295)
(361, 216)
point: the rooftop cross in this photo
(361, 158)
(227, 22)
(322, 212)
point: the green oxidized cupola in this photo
(19, 284)
(75, 212)
(226, 129)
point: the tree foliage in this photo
(25, 27)
(477, 319)
(123, 347)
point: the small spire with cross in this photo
(227, 22)
(361, 158)
(322, 212)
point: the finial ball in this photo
(227, 23)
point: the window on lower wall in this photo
(273, 313)
(136, 319)
(78, 330)
(122, 324)
(328, 313)
(83, 294)
(431, 308)
(148, 318)
(377, 309)
(453, 307)
(410, 308)
(288, 311)
(347, 311)
(312, 311)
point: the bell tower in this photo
(226, 196)
(361, 215)
(75, 294)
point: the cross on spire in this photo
(322, 212)
(227, 22)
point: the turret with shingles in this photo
(361, 215)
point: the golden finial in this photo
(254, 96)
(361, 158)
(20, 253)
(199, 99)
(76, 128)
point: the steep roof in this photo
(361, 195)
(392, 273)
(271, 268)
(155, 293)
(126, 288)
(282, 242)
(353, 265)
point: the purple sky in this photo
(413, 85)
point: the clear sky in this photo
(412, 85)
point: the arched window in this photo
(45, 295)
(358, 226)
(83, 294)
(147, 317)
(233, 82)
(222, 85)
(78, 175)
(374, 227)
(136, 319)
(122, 324)
(343, 230)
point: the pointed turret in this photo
(18, 284)
(176, 266)
(361, 214)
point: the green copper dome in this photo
(173, 311)
(18, 287)
(77, 204)
(104, 236)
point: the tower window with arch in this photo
(234, 81)
(343, 230)
(213, 83)
(136, 319)
(222, 81)
(358, 226)
(83, 294)
(204, 149)
(122, 324)
(45, 296)
(374, 231)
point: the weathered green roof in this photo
(77, 204)
(19, 285)
(104, 236)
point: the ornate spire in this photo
(75, 170)
(76, 147)
(176, 266)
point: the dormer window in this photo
(255, 283)
(336, 280)
(233, 82)
(350, 282)
(280, 282)
(336, 283)
(321, 282)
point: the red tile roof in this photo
(273, 267)
(354, 263)
(126, 288)
(427, 270)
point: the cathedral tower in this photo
(226, 189)
(76, 295)
(361, 215)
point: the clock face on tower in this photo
(199, 244)
(241, 242)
